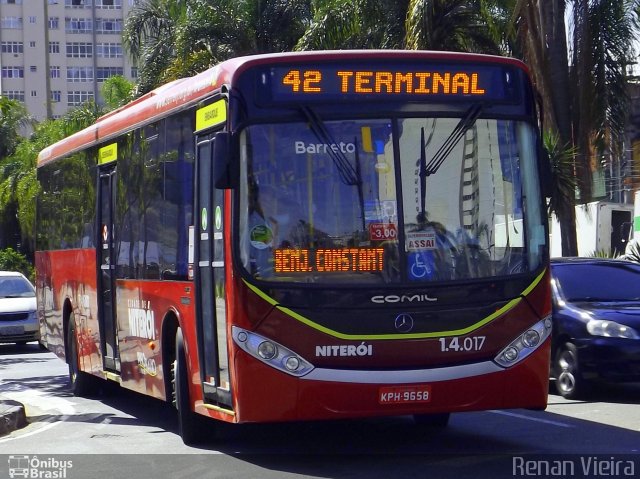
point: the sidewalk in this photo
(12, 416)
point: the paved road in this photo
(141, 431)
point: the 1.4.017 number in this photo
(470, 343)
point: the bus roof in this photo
(186, 91)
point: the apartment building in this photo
(55, 54)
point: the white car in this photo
(18, 320)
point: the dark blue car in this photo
(596, 323)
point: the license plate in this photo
(11, 330)
(404, 394)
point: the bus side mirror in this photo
(224, 161)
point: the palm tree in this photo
(459, 25)
(600, 39)
(563, 179)
(150, 33)
(541, 38)
(19, 186)
(454, 25)
(13, 116)
(352, 24)
(171, 39)
(117, 91)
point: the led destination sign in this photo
(343, 260)
(388, 81)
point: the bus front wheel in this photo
(191, 426)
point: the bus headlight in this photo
(267, 350)
(270, 352)
(525, 344)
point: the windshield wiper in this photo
(347, 172)
(428, 169)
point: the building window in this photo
(79, 74)
(54, 47)
(33, 68)
(54, 23)
(79, 50)
(78, 25)
(32, 44)
(32, 20)
(54, 72)
(108, 25)
(17, 95)
(56, 96)
(14, 23)
(77, 3)
(78, 98)
(12, 72)
(110, 4)
(34, 93)
(103, 73)
(109, 50)
(12, 47)
(10, 2)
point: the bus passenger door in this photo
(106, 273)
(209, 278)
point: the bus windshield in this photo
(390, 200)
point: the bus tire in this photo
(190, 425)
(81, 383)
(432, 421)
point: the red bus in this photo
(306, 236)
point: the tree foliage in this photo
(117, 91)
(11, 260)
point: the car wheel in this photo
(192, 427)
(569, 381)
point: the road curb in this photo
(12, 416)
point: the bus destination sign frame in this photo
(418, 82)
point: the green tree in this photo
(117, 91)
(27, 187)
(81, 117)
(563, 179)
(454, 25)
(13, 117)
(170, 39)
(353, 24)
(150, 34)
(11, 260)
(19, 186)
(591, 118)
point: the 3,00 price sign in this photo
(382, 231)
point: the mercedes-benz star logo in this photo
(404, 323)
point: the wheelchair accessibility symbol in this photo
(421, 265)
